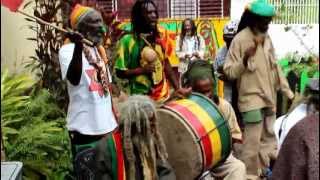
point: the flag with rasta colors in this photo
(210, 29)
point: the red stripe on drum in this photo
(199, 130)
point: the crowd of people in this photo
(124, 142)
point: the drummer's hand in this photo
(187, 56)
(223, 77)
(220, 69)
(196, 54)
(182, 92)
(295, 100)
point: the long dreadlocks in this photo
(141, 138)
(140, 24)
(193, 33)
(249, 19)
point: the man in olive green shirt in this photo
(251, 61)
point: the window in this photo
(124, 8)
(107, 5)
(178, 8)
(296, 11)
(183, 8)
(199, 8)
(211, 8)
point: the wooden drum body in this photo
(196, 135)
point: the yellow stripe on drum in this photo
(208, 124)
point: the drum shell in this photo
(196, 135)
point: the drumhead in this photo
(185, 153)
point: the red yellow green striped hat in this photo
(78, 13)
(261, 8)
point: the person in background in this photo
(144, 17)
(200, 76)
(251, 62)
(189, 45)
(229, 86)
(299, 110)
(229, 31)
(299, 154)
(90, 118)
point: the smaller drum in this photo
(196, 135)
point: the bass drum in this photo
(196, 135)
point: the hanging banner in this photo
(211, 29)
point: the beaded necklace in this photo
(99, 65)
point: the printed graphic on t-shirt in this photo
(94, 84)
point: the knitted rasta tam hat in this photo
(78, 13)
(261, 8)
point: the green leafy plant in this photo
(45, 63)
(33, 129)
(299, 63)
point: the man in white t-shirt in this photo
(90, 115)
(189, 45)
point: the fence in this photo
(296, 11)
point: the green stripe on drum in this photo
(217, 118)
(112, 150)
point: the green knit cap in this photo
(199, 69)
(261, 8)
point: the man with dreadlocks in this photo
(189, 45)
(144, 150)
(200, 76)
(90, 118)
(299, 153)
(251, 62)
(144, 16)
(299, 109)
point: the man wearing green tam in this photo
(200, 76)
(251, 62)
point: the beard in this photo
(188, 32)
(96, 38)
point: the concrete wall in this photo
(15, 49)
(288, 42)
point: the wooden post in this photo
(86, 41)
(3, 154)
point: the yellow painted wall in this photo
(211, 30)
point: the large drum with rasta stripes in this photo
(196, 135)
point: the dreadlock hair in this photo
(138, 19)
(142, 142)
(249, 19)
(188, 79)
(310, 97)
(312, 94)
(193, 32)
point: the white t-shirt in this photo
(90, 110)
(285, 123)
(190, 45)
